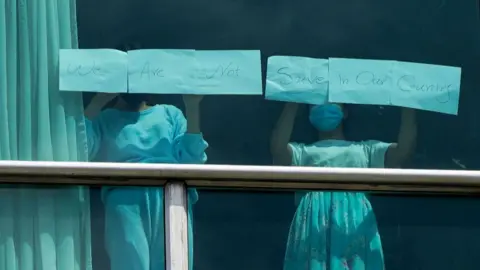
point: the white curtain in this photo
(41, 228)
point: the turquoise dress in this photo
(134, 216)
(335, 230)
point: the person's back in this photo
(134, 132)
(148, 136)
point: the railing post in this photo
(176, 226)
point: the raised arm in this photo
(281, 152)
(97, 103)
(192, 109)
(93, 122)
(398, 153)
(189, 145)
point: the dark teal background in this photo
(249, 230)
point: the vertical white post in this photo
(176, 226)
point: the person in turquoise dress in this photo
(336, 230)
(133, 131)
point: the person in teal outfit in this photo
(336, 230)
(133, 131)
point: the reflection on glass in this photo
(39, 122)
(134, 227)
(335, 231)
(40, 228)
(44, 227)
(133, 131)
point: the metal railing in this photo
(176, 178)
(264, 177)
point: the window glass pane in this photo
(245, 129)
(333, 230)
(40, 121)
(68, 227)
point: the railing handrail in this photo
(236, 172)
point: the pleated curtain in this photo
(41, 228)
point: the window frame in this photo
(177, 177)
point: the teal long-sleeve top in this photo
(155, 135)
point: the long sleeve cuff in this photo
(193, 148)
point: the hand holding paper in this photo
(105, 97)
(192, 99)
